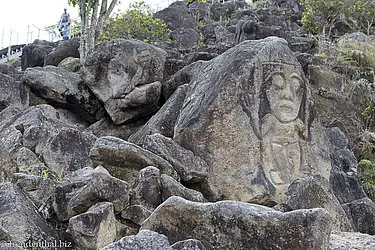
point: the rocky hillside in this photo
(240, 133)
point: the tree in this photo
(362, 13)
(136, 23)
(321, 15)
(93, 15)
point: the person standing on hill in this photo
(64, 24)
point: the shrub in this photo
(136, 23)
(366, 174)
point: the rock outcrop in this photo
(249, 114)
(237, 225)
(125, 75)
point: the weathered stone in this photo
(351, 241)
(67, 48)
(29, 162)
(315, 192)
(12, 93)
(124, 64)
(70, 64)
(106, 127)
(171, 187)
(237, 225)
(124, 159)
(177, 16)
(144, 240)
(33, 54)
(68, 150)
(95, 228)
(146, 190)
(186, 38)
(190, 167)
(63, 88)
(181, 77)
(188, 245)
(248, 113)
(136, 213)
(38, 188)
(362, 214)
(164, 120)
(140, 102)
(11, 71)
(343, 180)
(19, 218)
(84, 188)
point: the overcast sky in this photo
(17, 15)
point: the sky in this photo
(22, 21)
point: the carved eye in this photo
(278, 81)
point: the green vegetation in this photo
(360, 54)
(366, 174)
(136, 23)
(320, 16)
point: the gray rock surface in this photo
(63, 88)
(351, 241)
(171, 187)
(164, 120)
(188, 245)
(237, 225)
(95, 228)
(39, 188)
(12, 92)
(315, 192)
(106, 127)
(65, 49)
(252, 124)
(33, 54)
(70, 64)
(362, 214)
(68, 150)
(140, 102)
(86, 187)
(124, 159)
(144, 240)
(146, 189)
(190, 167)
(113, 71)
(19, 218)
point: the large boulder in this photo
(33, 54)
(42, 130)
(347, 240)
(115, 72)
(164, 120)
(237, 225)
(67, 48)
(68, 150)
(362, 214)
(249, 114)
(124, 159)
(315, 192)
(86, 187)
(12, 92)
(144, 240)
(177, 16)
(63, 88)
(187, 165)
(95, 228)
(20, 220)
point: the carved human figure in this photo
(280, 123)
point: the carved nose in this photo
(286, 93)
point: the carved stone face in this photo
(285, 93)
